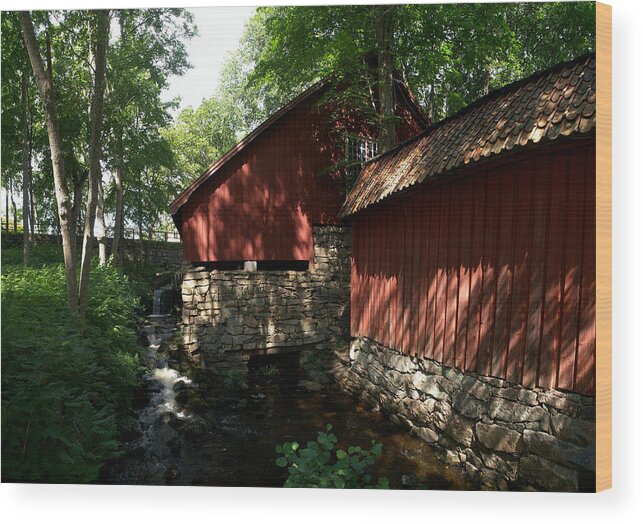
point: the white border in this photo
(186, 505)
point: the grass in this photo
(67, 383)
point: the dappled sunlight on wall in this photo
(263, 202)
(492, 273)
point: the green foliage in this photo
(202, 135)
(148, 47)
(267, 371)
(234, 379)
(67, 383)
(320, 465)
(449, 54)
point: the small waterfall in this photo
(162, 303)
(156, 308)
(163, 379)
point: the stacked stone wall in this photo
(159, 254)
(504, 435)
(229, 314)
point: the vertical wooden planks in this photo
(406, 274)
(432, 245)
(475, 293)
(492, 274)
(370, 276)
(386, 276)
(464, 274)
(504, 267)
(386, 264)
(414, 339)
(441, 285)
(553, 273)
(586, 358)
(383, 257)
(574, 207)
(423, 266)
(378, 331)
(523, 213)
(354, 279)
(356, 310)
(452, 273)
(536, 269)
(396, 254)
(489, 273)
(362, 281)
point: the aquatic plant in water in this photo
(320, 465)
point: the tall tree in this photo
(384, 31)
(46, 88)
(449, 54)
(98, 47)
(101, 234)
(149, 47)
(26, 163)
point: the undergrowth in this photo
(67, 383)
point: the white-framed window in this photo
(359, 149)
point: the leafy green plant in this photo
(234, 379)
(267, 371)
(320, 465)
(67, 383)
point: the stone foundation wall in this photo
(505, 436)
(228, 314)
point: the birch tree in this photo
(98, 48)
(47, 91)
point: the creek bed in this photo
(203, 429)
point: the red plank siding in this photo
(477, 247)
(261, 204)
(464, 275)
(492, 271)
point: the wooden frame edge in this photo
(603, 247)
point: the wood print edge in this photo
(604, 247)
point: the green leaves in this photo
(449, 54)
(67, 384)
(319, 464)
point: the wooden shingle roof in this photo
(557, 102)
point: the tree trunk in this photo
(117, 241)
(15, 211)
(33, 217)
(486, 77)
(77, 182)
(26, 169)
(99, 50)
(48, 97)
(32, 208)
(384, 33)
(101, 230)
(6, 207)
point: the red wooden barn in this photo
(474, 242)
(261, 199)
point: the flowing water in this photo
(202, 429)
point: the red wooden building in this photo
(474, 242)
(261, 199)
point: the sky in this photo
(219, 31)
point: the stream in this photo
(201, 429)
